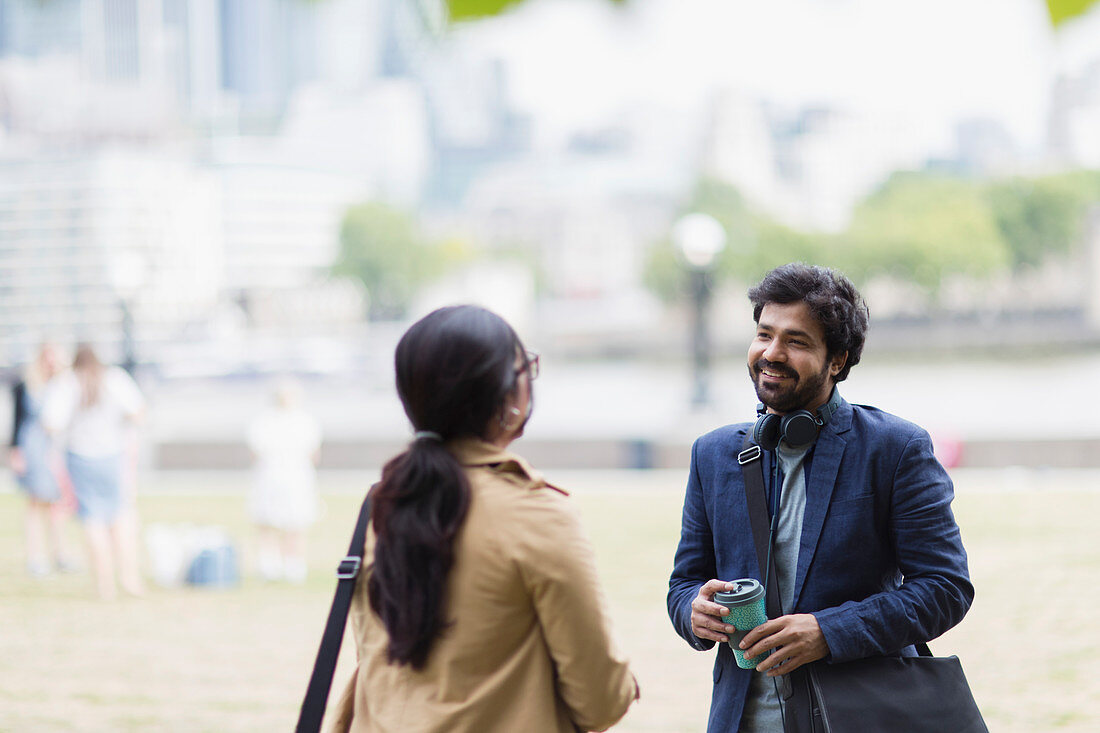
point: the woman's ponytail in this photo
(417, 510)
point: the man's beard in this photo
(787, 399)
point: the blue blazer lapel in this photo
(828, 452)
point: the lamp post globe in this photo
(699, 239)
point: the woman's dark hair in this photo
(831, 298)
(455, 367)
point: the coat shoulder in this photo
(728, 440)
(874, 421)
(725, 436)
(511, 499)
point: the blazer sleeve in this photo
(935, 590)
(558, 567)
(694, 564)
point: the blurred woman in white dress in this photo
(94, 407)
(285, 442)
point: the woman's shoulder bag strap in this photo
(313, 707)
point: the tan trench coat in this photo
(530, 646)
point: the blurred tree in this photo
(384, 249)
(1043, 217)
(917, 227)
(467, 9)
(470, 9)
(664, 273)
(755, 242)
(665, 269)
(922, 228)
(778, 244)
(1060, 10)
(726, 203)
(1063, 10)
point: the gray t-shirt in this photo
(762, 713)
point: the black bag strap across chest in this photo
(320, 682)
(751, 460)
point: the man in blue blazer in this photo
(866, 554)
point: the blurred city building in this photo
(85, 234)
(1075, 118)
(808, 166)
(215, 144)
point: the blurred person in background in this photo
(36, 464)
(479, 607)
(867, 557)
(285, 442)
(94, 407)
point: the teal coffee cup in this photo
(745, 606)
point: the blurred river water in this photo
(1043, 399)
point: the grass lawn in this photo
(189, 659)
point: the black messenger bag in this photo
(922, 694)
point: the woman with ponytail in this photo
(479, 609)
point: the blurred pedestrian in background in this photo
(285, 442)
(94, 406)
(36, 463)
(480, 608)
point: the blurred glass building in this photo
(185, 164)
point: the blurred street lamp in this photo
(128, 270)
(699, 239)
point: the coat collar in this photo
(471, 452)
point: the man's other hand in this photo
(793, 640)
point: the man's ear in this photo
(838, 363)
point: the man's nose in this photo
(775, 352)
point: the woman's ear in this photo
(502, 420)
(510, 417)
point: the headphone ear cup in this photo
(767, 431)
(799, 429)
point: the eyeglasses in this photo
(532, 366)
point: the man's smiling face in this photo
(788, 360)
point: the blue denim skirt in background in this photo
(39, 480)
(97, 485)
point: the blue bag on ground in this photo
(214, 567)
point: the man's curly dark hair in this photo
(832, 299)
